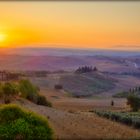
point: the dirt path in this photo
(81, 125)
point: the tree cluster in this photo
(133, 90)
(86, 69)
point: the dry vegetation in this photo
(79, 124)
(70, 117)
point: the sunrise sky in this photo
(70, 24)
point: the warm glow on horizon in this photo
(3, 39)
(81, 24)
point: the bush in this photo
(32, 97)
(1, 90)
(136, 122)
(16, 123)
(8, 89)
(43, 101)
(115, 116)
(112, 103)
(58, 87)
(28, 90)
(126, 120)
(134, 102)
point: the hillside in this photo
(86, 84)
(81, 125)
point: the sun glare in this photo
(2, 37)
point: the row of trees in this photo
(133, 90)
(86, 69)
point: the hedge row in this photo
(125, 118)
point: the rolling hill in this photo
(53, 63)
(87, 84)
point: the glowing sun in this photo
(2, 37)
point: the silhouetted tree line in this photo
(133, 90)
(86, 69)
(4, 75)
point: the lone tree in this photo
(112, 103)
(95, 69)
(134, 102)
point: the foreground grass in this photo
(17, 123)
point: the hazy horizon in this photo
(55, 51)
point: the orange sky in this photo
(84, 24)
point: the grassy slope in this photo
(86, 84)
(84, 125)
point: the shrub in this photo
(28, 90)
(8, 89)
(58, 87)
(43, 101)
(126, 119)
(106, 115)
(134, 102)
(16, 123)
(112, 103)
(32, 97)
(136, 122)
(115, 116)
(1, 90)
